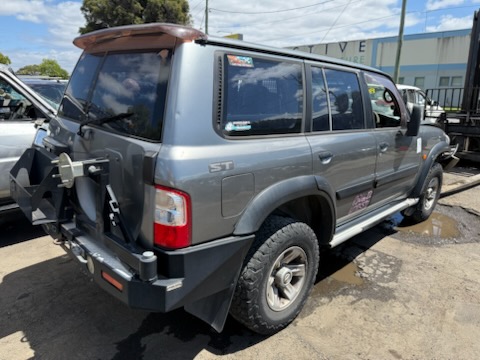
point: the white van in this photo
(415, 95)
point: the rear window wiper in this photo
(102, 120)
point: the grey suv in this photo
(190, 171)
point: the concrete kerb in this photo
(460, 185)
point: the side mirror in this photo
(413, 126)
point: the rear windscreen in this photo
(123, 92)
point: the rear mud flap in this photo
(210, 278)
(34, 188)
(214, 308)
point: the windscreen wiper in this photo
(102, 120)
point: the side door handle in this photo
(325, 157)
(383, 147)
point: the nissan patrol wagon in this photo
(190, 171)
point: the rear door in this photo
(344, 150)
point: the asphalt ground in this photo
(393, 292)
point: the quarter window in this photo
(262, 97)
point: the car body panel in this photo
(17, 132)
(15, 137)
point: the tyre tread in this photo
(419, 215)
(245, 308)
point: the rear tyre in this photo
(278, 275)
(429, 195)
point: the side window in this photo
(421, 98)
(385, 101)
(345, 100)
(411, 96)
(13, 105)
(320, 116)
(262, 97)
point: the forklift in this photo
(461, 105)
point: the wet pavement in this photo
(438, 225)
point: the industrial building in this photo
(428, 60)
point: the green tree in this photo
(101, 14)
(51, 68)
(29, 70)
(4, 59)
(48, 67)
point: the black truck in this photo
(461, 105)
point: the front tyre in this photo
(429, 195)
(278, 275)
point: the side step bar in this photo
(8, 207)
(373, 220)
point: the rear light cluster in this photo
(172, 222)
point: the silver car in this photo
(51, 89)
(20, 108)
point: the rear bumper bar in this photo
(189, 274)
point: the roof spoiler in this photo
(184, 33)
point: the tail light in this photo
(172, 222)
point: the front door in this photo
(398, 155)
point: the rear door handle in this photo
(383, 146)
(325, 157)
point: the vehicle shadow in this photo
(15, 228)
(59, 310)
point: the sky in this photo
(44, 29)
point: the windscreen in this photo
(123, 92)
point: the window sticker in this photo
(238, 126)
(240, 61)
